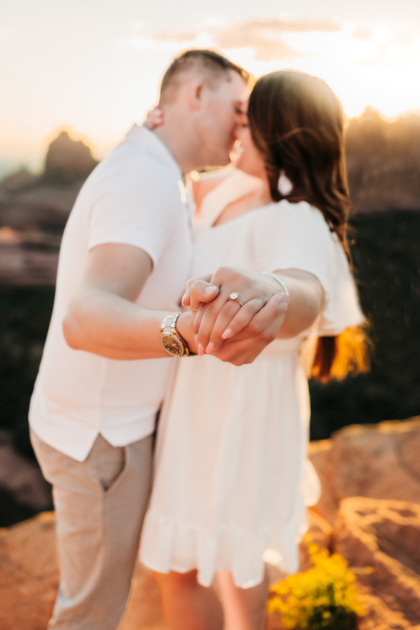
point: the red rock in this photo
(29, 580)
(383, 535)
(28, 573)
(378, 461)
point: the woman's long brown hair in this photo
(296, 123)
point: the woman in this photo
(231, 478)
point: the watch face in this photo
(172, 344)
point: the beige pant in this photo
(100, 504)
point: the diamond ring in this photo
(235, 298)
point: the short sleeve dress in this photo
(232, 481)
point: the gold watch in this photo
(172, 341)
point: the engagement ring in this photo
(235, 298)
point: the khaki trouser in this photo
(100, 504)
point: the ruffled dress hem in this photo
(168, 545)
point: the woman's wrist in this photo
(280, 283)
(186, 331)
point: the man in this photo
(123, 265)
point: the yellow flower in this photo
(315, 598)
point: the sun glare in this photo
(100, 89)
(381, 35)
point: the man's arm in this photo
(103, 317)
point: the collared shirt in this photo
(134, 196)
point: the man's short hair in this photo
(211, 64)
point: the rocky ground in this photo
(370, 505)
(369, 512)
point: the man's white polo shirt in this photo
(134, 196)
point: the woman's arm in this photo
(306, 300)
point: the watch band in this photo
(169, 323)
(169, 326)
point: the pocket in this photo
(121, 475)
(113, 467)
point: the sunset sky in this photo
(94, 66)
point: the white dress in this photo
(231, 480)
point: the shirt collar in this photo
(143, 137)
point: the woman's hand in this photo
(245, 346)
(223, 327)
(247, 343)
(223, 318)
(154, 118)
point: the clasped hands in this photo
(222, 327)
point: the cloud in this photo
(264, 37)
(297, 26)
(255, 36)
(324, 48)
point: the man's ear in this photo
(195, 95)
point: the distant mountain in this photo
(23, 176)
(383, 162)
(71, 155)
(10, 166)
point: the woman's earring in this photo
(284, 185)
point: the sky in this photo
(94, 66)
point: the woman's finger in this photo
(210, 315)
(266, 323)
(261, 330)
(208, 320)
(154, 118)
(226, 328)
